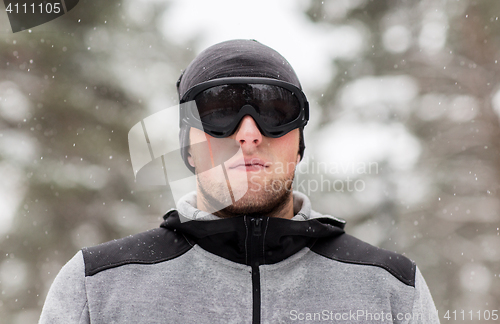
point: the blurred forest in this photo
(426, 79)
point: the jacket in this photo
(239, 270)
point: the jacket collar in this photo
(302, 209)
(231, 238)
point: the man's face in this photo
(267, 168)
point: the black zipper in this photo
(256, 258)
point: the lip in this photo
(251, 164)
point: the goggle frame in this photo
(187, 118)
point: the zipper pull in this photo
(257, 226)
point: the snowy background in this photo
(405, 103)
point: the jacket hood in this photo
(230, 238)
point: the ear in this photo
(190, 158)
(298, 158)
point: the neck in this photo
(282, 208)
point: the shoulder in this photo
(348, 249)
(153, 246)
(66, 300)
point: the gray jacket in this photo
(239, 270)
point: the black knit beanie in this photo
(234, 58)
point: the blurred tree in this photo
(449, 49)
(70, 90)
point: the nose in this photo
(248, 134)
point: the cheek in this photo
(287, 146)
(195, 136)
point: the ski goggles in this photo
(218, 106)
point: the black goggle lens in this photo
(218, 106)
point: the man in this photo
(243, 248)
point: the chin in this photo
(259, 204)
(253, 195)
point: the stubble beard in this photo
(262, 199)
